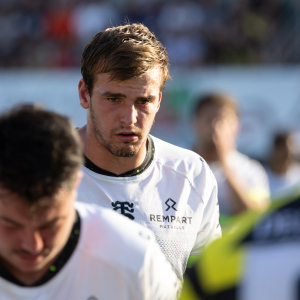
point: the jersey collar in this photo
(146, 163)
(57, 265)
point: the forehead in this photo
(211, 110)
(149, 82)
(14, 207)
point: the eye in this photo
(113, 100)
(144, 101)
(51, 227)
(10, 226)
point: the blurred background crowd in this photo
(53, 33)
(249, 49)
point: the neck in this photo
(27, 278)
(104, 159)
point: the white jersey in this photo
(114, 259)
(281, 183)
(175, 197)
(251, 174)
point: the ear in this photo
(84, 95)
(159, 100)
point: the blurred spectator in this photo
(258, 259)
(182, 38)
(283, 168)
(196, 32)
(242, 182)
(90, 17)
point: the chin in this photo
(128, 151)
(33, 265)
(125, 153)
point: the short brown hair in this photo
(125, 52)
(281, 138)
(40, 152)
(216, 99)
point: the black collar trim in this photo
(57, 265)
(146, 163)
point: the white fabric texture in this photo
(250, 173)
(175, 197)
(280, 183)
(114, 259)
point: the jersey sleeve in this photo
(159, 280)
(209, 228)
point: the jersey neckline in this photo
(139, 170)
(58, 264)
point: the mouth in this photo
(127, 136)
(29, 257)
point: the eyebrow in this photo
(10, 221)
(120, 95)
(42, 225)
(113, 95)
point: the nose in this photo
(129, 114)
(32, 242)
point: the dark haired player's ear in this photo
(84, 95)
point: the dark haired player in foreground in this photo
(52, 250)
(163, 187)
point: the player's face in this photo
(32, 237)
(213, 115)
(121, 113)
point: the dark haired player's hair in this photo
(40, 152)
(215, 99)
(125, 52)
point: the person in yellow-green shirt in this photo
(257, 258)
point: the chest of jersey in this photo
(81, 279)
(165, 203)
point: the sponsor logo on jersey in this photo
(170, 201)
(175, 222)
(124, 206)
(171, 219)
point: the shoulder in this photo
(179, 159)
(245, 161)
(112, 237)
(185, 164)
(249, 169)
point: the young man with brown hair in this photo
(242, 182)
(163, 187)
(53, 248)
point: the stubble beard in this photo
(126, 151)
